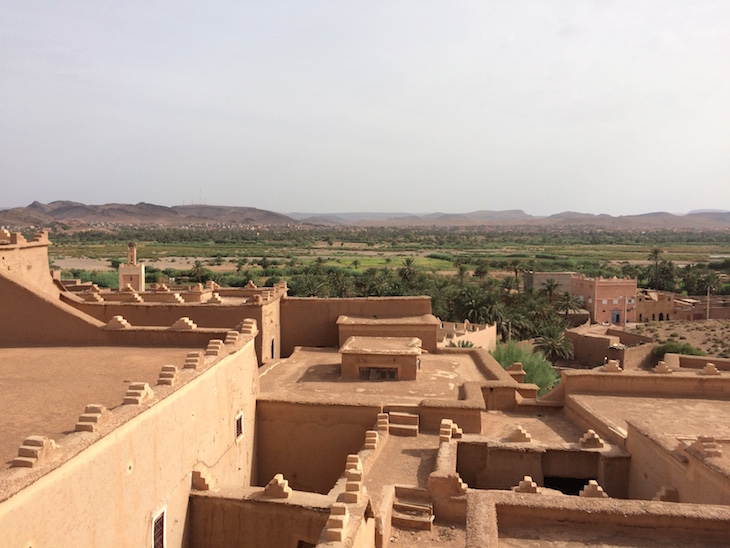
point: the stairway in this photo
(403, 424)
(412, 509)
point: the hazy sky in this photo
(613, 107)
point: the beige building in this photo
(207, 416)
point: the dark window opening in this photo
(158, 532)
(661, 316)
(272, 349)
(567, 486)
(378, 374)
(239, 426)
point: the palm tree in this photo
(355, 264)
(481, 271)
(319, 265)
(197, 271)
(508, 284)
(554, 344)
(461, 272)
(550, 286)
(407, 272)
(567, 303)
(516, 266)
(654, 255)
(340, 283)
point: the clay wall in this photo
(696, 362)
(594, 348)
(30, 317)
(489, 465)
(496, 516)
(405, 365)
(536, 279)
(224, 316)
(590, 348)
(110, 492)
(483, 466)
(229, 520)
(653, 466)
(309, 443)
(628, 338)
(637, 357)
(313, 321)
(28, 262)
(602, 296)
(646, 383)
(426, 332)
(648, 309)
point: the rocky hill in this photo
(79, 216)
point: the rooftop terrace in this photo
(44, 390)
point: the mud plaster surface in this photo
(44, 390)
(314, 374)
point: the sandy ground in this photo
(443, 535)
(711, 336)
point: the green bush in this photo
(676, 347)
(538, 370)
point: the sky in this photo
(617, 107)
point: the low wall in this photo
(221, 316)
(309, 442)
(495, 515)
(105, 488)
(312, 321)
(591, 348)
(638, 357)
(646, 383)
(654, 464)
(695, 362)
(496, 465)
(241, 518)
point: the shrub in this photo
(538, 370)
(461, 344)
(675, 347)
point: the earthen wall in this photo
(309, 443)
(110, 493)
(313, 322)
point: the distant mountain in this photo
(80, 216)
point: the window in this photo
(239, 426)
(605, 301)
(615, 301)
(158, 531)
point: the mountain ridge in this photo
(81, 215)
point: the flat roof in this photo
(313, 375)
(392, 346)
(44, 390)
(675, 419)
(426, 319)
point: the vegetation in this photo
(538, 370)
(675, 347)
(461, 344)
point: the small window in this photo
(615, 301)
(605, 301)
(239, 426)
(158, 531)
